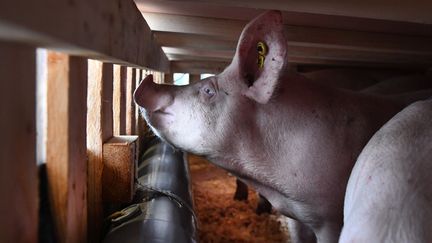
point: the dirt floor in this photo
(220, 217)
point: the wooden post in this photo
(18, 171)
(130, 104)
(119, 100)
(168, 78)
(99, 130)
(66, 145)
(194, 78)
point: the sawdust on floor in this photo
(220, 217)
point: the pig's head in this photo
(201, 116)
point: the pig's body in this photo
(389, 194)
(293, 140)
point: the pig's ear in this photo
(261, 55)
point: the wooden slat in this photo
(417, 11)
(119, 100)
(66, 145)
(113, 30)
(18, 171)
(214, 10)
(130, 103)
(99, 130)
(229, 30)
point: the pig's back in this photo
(389, 193)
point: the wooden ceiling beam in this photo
(109, 30)
(229, 30)
(215, 10)
(416, 11)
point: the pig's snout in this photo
(153, 97)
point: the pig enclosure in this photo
(69, 69)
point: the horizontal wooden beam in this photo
(229, 30)
(417, 11)
(111, 30)
(198, 67)
(246, 13)
(312, 54)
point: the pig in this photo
(294, 140)
(389, 193)
(401, 84)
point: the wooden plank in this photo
(112, 30)
(120, 161)
(197, 67)
(229, 30)
(99, 130)
(417, 11)
(18, 171)
(119, 100)
(66, 145)
(246, 13)
(130, 103)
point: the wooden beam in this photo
(417, 11)
(119, 100)
(246, 13)
(130, 103)
(112, 30)
(229, 30)
(66, 145)
(197, 67)
(310, 53)
(18, 171)
(99, 130)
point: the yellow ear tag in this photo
(262, 52)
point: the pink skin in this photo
(295, 141)
(389, 194)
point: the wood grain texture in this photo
(416, 11)
(99, 130)
(226, 30)
(112, 30)
(130, 103)
(119, 100)
(18, 171)
(120, 164)
(66, 145)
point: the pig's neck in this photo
(300, 147)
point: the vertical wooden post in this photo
(99, 130)
(119, 100)
(130, 104)
(66, 145)
(194, 78)
(18, 171)
(139, 77)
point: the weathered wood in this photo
(99, 130)
(18, 171)
(119, 172)
(130, 103)
(66, 145)
(112, 30)
(246, 13)
(417, 11)
(229, 30)
(119, 100)
(197, 67)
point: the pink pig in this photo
(295, 141)
(389, 194)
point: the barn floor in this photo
(220, 217)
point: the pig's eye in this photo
(209, 91)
